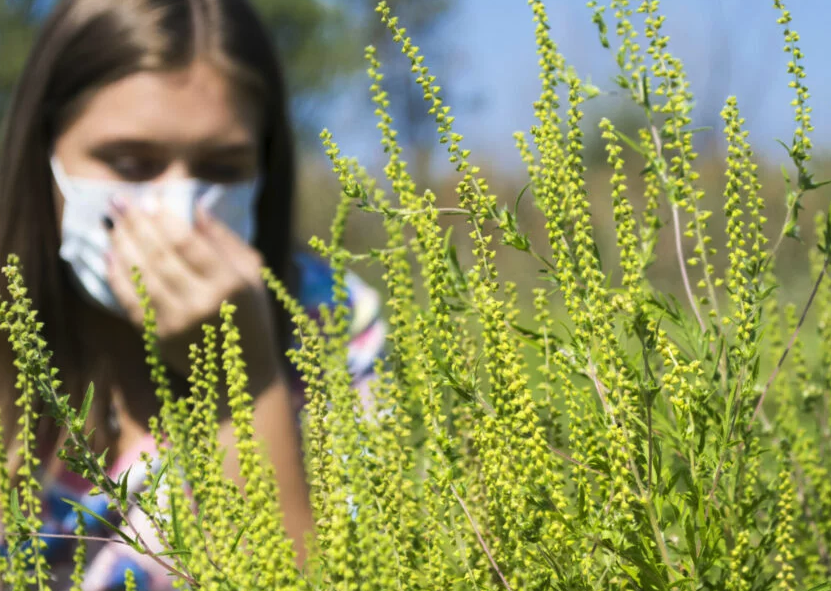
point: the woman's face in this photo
(154, 126)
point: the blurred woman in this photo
(154, 133)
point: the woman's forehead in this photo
(196, 105)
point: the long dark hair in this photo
(84, 45)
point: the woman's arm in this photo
(276, 429)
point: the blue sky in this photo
(728, 46)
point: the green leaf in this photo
(631, 143)
(785, 174)
(621, 80)
(453, 262)
(87, 404)
(645, 92)
(122, 491)
(15, 509)
(647, 169)
(174, 553)
(601, 28)
(519, 198)
(681, 583)
(811, 185)
(129, 541)
(784, 145)
(178, 541)
(238, 538)
(157, 478)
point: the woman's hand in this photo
(188, 273)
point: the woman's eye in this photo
(222, 172)
(136, 169)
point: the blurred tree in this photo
(311, 35)
(319, 45)
(316, 37)
(18, 23)
(321, 42)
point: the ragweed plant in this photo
(623, 440)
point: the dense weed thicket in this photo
(661, 444)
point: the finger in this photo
(167, 304)
(140, 240)
(228, 245)
(123, 265)
(167, 314)
(126, 255)
(191, 246)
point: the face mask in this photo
(85, 241)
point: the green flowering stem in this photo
(802, 496)
(37, 362)
(801, 144)
(723, 455)
(79, 556)
(648, 504)
(101, 479)
(794, 336)
(571, 460)
(129, 580)
(674, 88)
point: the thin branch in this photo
(149, 554)
(735, 413)
(679, 251)
(772, 255)
(479, 537)
(66, 537)
(601, 390)
(653, 521)
(106, 486)
(682, 264)
(791, 343)
(571, 460)
(650, 429)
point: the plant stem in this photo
(106, 486)
(682, 264)
(802, 495)
(734, 412)
(479, 537)
(791, 343)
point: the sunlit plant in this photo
(622, 439)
